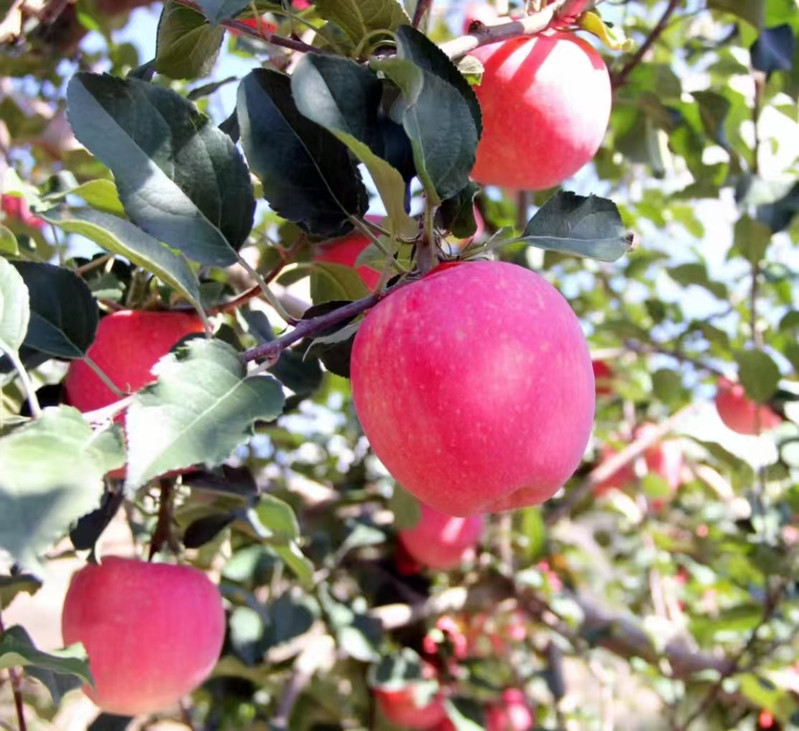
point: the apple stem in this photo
(16, 689)
(425, 248)
(366, 231)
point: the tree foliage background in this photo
(642, 607)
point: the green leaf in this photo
(357, 18)
(180, 178)
(8, 242)
(332, 282)
(187, 45)
(278, 518)
(294, 558)
(101, 195)
(219, 10)
(751, 239)
(201, 408)
(405, 507)
(10, 586)
(667, 385)
(63, 311)
(533, 531)
(758, 373)
(456, 214)
(752, 11)
(51, 474)
(696, 273)
(344, 98)
(14, 308)
(121, 237)
(437, 113)
(18, 650)
(578, 225)
(307, 174)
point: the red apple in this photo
(14, 207)
(740, 413)
(346, 249)
(258, 24)
(512, 713)
(474, 387)
(441, 541)
(603, 375)
(153, 632)
(546, 104)
(128, 344)
(408, 705)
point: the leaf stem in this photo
(163, 533)
(16, 689)
(366, 231)
(103, 377)
(27, 384)
(267, 293)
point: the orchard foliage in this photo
(298, 187)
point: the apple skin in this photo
(474, 387)
(15, 208)
(128, 344)
(346, 249)
(546, 104)
(441, 541)
(400, 705)
(153, 632)
(512, 713)
(740, 413)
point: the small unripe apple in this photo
(474, 387)
(546, 104)
(127, 345)
(740, 413)
(152, 632)
(512, 713)
(407, 706)
(346, 249)
(441, 541)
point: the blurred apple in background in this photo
(740, 413)
(441, 541)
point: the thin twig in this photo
(422, 9)
(620, 78)
(530, 25)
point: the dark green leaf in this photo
(179, 177)
(90, 527)
(187, 45)
(51, 474)
(18, 650)
(758, 373)
(307, 174)
(752, 11)
(436, 114)
(343, 97)
(778, 215)
(218, 10)
(696, 273)
(773, 50)
(63, 311)
(456, 214)
(201, 408)
(751, 239)
(575, 224)
(203, 530)
(119, 236)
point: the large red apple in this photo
(408, 706)
(474, 387)
(346, 249)
(441, 541)
(546, 104)
(740, 413)
(153, 632)
(512, 713)
(128, 344)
